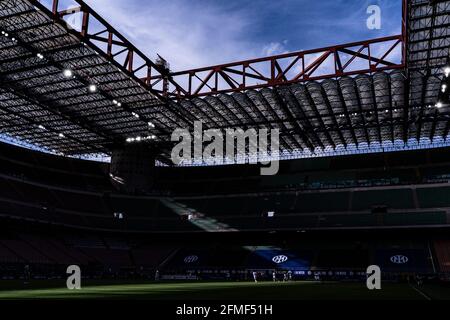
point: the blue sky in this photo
(194, 33)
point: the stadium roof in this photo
(72, 84)
(61, 91)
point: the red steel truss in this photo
(361, 57)
(317, 64)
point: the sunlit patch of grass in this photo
(220, 290)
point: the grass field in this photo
(227, 290)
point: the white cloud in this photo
(274, 48)
(184, 33)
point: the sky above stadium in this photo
(195, 33)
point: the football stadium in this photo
(308, 174)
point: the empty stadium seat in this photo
(415, 218)
(434, 197)
(391, 198)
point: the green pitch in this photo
(221, 290)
